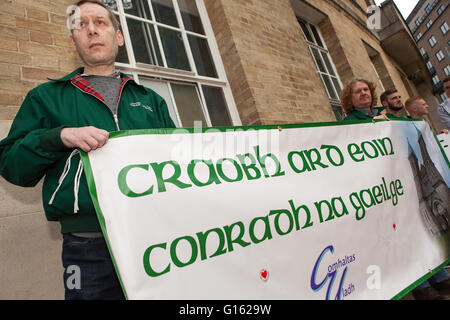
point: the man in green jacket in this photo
(392, 100)
(358, 101)
(77, 112)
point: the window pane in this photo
(217, 107)
(328, 63)
(318, 59)
(447, 70)
(188, 104)
(137, 8)
(122, 55)
(202, 56)
(337, 86)
(143, 40)
(444, 28)
(306, 31)
(174, 50)
(316, 36)
(327, 82)
(190, 15)
(164, 12)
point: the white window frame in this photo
(324, 49)
(444, 28)
(429, 24)
(447, 70)
(432, 41)
(440, 56)
(435, 79)
(138, 70)
(419, 35)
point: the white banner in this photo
(444, 140)
(315, 211)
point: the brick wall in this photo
(268, 65)
(34, 45)
(30, 246)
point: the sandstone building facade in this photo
(242, 62)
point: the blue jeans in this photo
(438, 277)
(89, 273)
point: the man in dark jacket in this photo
(77, 112)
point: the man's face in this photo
(95, 39)
(421, 107)
(394, 101)
(361, 95)
(447, 88)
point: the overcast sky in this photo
(405, 6)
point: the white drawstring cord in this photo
(76, 180)
(76, 186)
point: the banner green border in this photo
(125, 133)
(412, 286)
(93, 192)
(122, 133)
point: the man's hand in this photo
(84, 138)
(382, 117)
(446, 131)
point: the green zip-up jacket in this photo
(33, 147)
(358, 115)
(392, 117)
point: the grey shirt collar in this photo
(112, 75)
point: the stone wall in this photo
(34, 45)
(30, 246)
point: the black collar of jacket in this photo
(361, 115)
